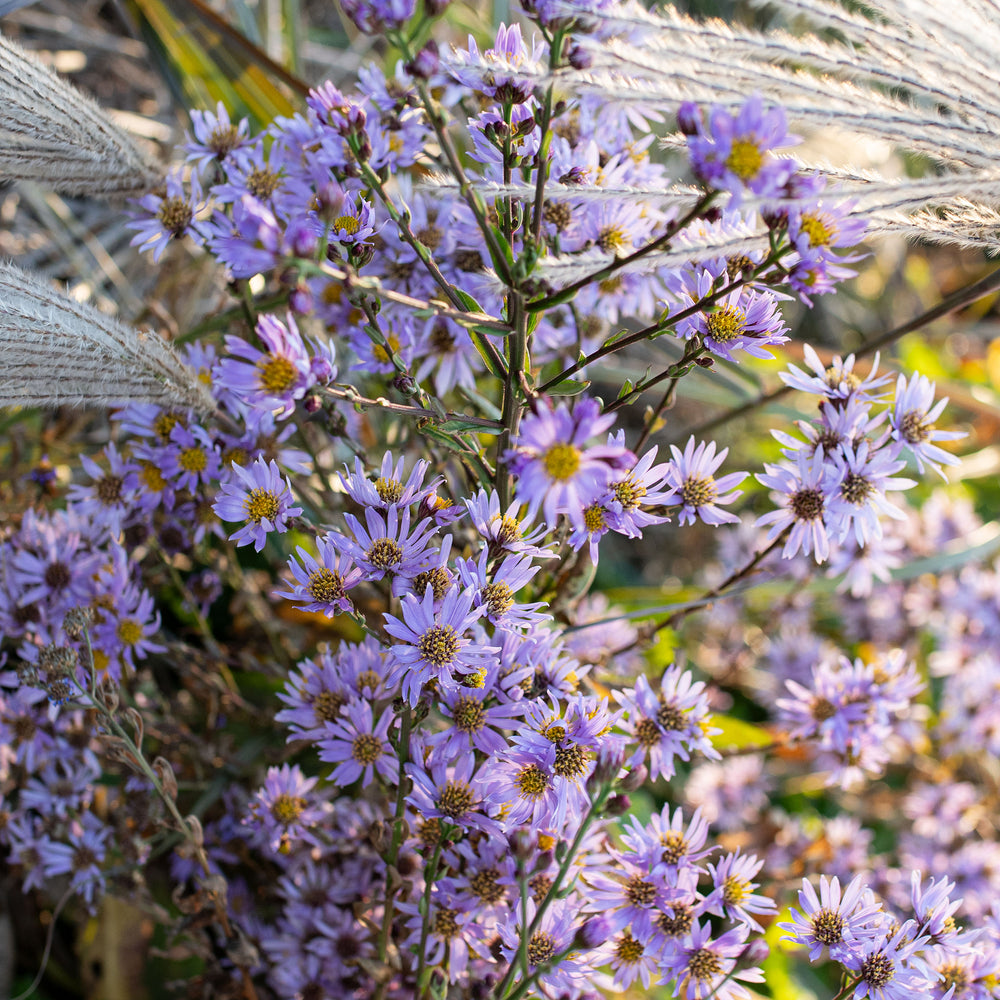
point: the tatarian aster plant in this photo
(733, 895)
(358, 745)
(555, 469)
(669, 724)
(833, 919)
(734, 153)
(275, 377)
(321, 584)
(433, 646)
(707, 966)
(264, 502)
(451, 790)
(837, 380)
(912, 420)
(690, 480)
(802, 490)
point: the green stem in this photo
(511, 411)
(423, 972)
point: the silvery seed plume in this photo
(57, 352)
(943, 58)
(51, 133)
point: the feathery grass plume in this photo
(51, 133)
(915, 73)
(57, 352)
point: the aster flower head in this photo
(666, 844)
(167, 215)
(734, 152)
(504, 532)
(385, 544)
(321, 584)
(215, 136)
(882, 964)
(275, 377)
(668, 724)
(359, 745)
(707, 967)
(833, 919)
(451, 791)
(837, 381)
(375, 17)
(432, 646)
(391, 487)
(733, 895)
(504, 72)
(803, 491)
(691, 482)
(744, 319)
(914, 412)
(285, 809)
(496, 588)
(555, 469)
(262, 499)
(112, 495)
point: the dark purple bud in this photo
(593, 932)
(579, 57)
(704, 362)
(635, 779)
(320, 369)
(405, 384)
(689, 118)
(618, 805)
(753, 954)
(712, 214)
(425, 63)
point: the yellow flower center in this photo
(286, 808)
(261, 504)
(192, 459)
(745, 159)
(726, 324)
(276, 374)
(818, 231)
(561, 461)
(129, 631)
(347, 223)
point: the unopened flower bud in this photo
(689, 118)
(635, 779)
(705, 361)
(313, 403)
(618, 805)
(405, 384)
(753, 954)
(426, 62)
(593, 932)
(579, 57)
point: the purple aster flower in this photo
(504, 532)
(707, 967)
(864, 475)
(630, 958)
(168, 215)
(803, 491)
(81, 857)
(376, 17)
(628, 494)
(59, 572)
(391, 488)
(317, 692)
(631, 893)
(192, 461)
(354, 226)
(474, 723)
(669, 724)
(387, 546)
(666, 846)
(264, 502)
(881, 964)
(322, 583)
(358, 746)
(451, 791)
(831, 919)
(691, 481)
(495, 589)
(284, 811)
(215, 136)
(734, 152)
(732, 894)
(432, 645)
(523, 788)
(837, 381)
(742, 320)
(449, 934)
(550, 942)
(817, 230)
(250, 241)
(913, 414)
(554, 468)
(112, 496)
(505, 72)
(275, 377)
(126, 631)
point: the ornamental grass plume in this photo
(913, 73)
(56, 352)
(51, 133)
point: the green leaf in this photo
(568, 387)
(464, 426)
(206, 60)
(484, 346)
(738, 734)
